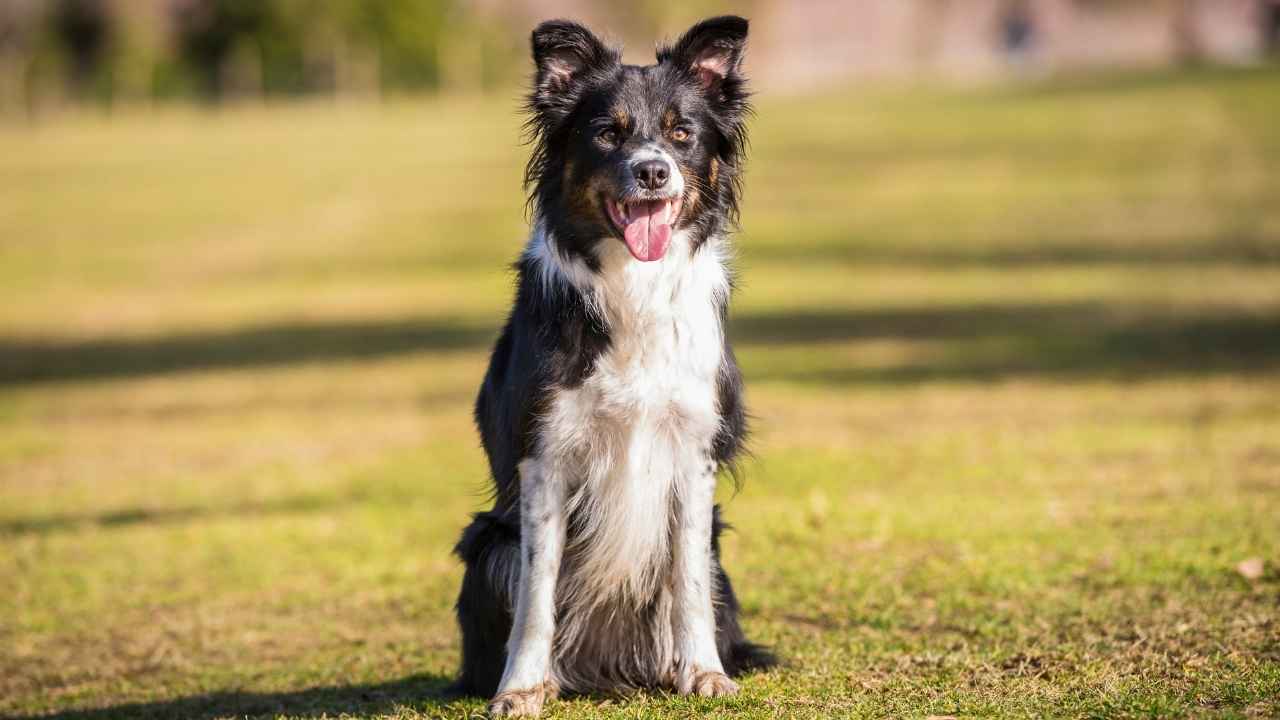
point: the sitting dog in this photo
(613, 400)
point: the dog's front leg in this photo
(693, 621)
(526, 681)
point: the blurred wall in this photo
(816, 41)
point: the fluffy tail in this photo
(738, 654)
(746, 657)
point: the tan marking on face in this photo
(621, 118)
(692, 196)
(691, 200)
(578, 196)
(584, 200)
(668, 121)
(714, 175)
(582, 195)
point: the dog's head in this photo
(631, 154)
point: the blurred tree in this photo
(218, 38)
(16, 45)
(295, 46)
(83, 28)
(406, 37)
(1271, 25)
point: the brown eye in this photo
(609, 135)
(680, 134)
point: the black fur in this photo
(484, 612)
(552, 340)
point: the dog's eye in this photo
(609, 136)
(680, 134)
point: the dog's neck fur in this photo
(622, 291)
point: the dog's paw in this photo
(706, 683)
(520, 703)
(714, 684)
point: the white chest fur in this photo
(639, 429)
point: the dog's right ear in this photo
(564, 55)
(711, 52)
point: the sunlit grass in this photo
(1014, 356)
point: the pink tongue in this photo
(649, 231)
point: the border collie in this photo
(612, 400)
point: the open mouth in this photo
(645, 225)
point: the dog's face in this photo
(632, 154)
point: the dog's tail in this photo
(745, 657)
(738, 654)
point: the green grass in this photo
(1014, 356)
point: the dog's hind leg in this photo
(737, 654)
(490, 549)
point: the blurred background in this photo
(1009, 315)
(111, 51)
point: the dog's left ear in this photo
(711, 51)
(565, 54)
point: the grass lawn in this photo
(1014, 356)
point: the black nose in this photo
(651, 174)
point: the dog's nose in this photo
(651, 174)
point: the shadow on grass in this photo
(35, 360)
(999, 342)
(161, 516)
(1251, 251)
(1077, 338)
(424, 693)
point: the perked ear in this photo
(711, 50)
(564, 53)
